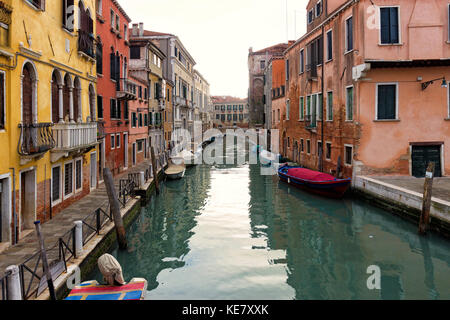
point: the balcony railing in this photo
(86, 43)
(180, 101)
(126, 90)
(310, 122)
(73, 136)
(35, 139)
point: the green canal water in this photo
(228, 232)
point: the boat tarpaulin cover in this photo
(92, 290)
(311, 175)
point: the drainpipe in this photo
(323, 96)
(16, 227)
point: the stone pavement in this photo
(62, 222)
(441, 186)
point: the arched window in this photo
(77, 115)
(66, 97)
(56, 83)
(29, 96)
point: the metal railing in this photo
(95, 222)
(70, 136)
(126, 191)
(126, 90)
(35, 138)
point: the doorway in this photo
(422, 155)
(27, 199)
(5, 210)
(101, 155)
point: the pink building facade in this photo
(359, 88)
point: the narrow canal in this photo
(228, 232)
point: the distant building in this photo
(230, 112)
(257, 62)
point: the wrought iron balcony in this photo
(35, 139)
(86, 43)
(73, 137)
(126, 90)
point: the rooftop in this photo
(227, 99)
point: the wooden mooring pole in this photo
(426, 202)
(47, 273)
(115, 208)
(155, 170)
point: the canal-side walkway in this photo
(63, 222)
(405, 194)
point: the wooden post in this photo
(426, 202)
(155, 170)
(47, 272)
(115, 208)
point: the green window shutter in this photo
(387, 100)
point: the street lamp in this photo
(427, 83)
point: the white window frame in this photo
(137, 146)
(331, 150)
(64, 180)
(75, 175)
(112, 16)
(112, 140)
(332, 53)
(346, 103)
(312, 19)
(100, 7)
(318, 109)
(346, 35)
(399, 27)
(345, 155)
(321, 8)
(301, 115)
(308, 152)
(302, 60)
(61, 184)
(396, 100)
(118, 145)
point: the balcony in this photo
(126, 90)
(35, 140)
(86, 44)
(73, 138)
(162, 104)
(180, 101)
(310, 122)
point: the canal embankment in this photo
(404, 196)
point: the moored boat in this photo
(92, 290)
(175, 171)
(314, 181)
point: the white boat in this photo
(187, 157)
(175, 171)
(267, 158)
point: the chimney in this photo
(141, 29)
(135, 30)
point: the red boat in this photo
(314, 181)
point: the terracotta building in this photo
(230, 112)
(114, 90)
(358, 82)
(257, 62)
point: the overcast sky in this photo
(218, 33)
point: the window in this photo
(319, 106)
(125, 110)
(330, 106)
(38, 4)
(278, 111)
(389, 17)
(68, 179)
(115, 109)
(349, 34)
(329, 45)
(78, 175)
(140, 145)
(145, 120)
(319, 147)
(217, 116)
(386, 102)
(68, 14)
(4, 34)
(125, 32)
(100, 107)
(135, 52)
(287, 69)
(302, 145)
(308, 106)
(288, 109)
(310, 16)
(318, 8)
(328, 151)
(302, 61)
(99, 58)
(301, 108)
(99, 6)
(308, 146)
(234, 117)
(117, 23)
(229, 117)
(349, 104)
(56, 184)
(348, 155)
(2, 100)
(113, 15)
(263, 64)
(118, 141)
(140, 119)
(113, 141)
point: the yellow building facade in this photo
(48, 132)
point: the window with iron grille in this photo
(68, 178)
(56, 183)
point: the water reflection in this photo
(226, 232)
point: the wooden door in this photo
(27, 96)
